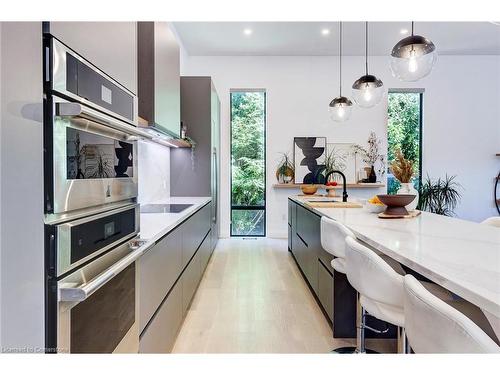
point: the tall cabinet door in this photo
(167, 96)
(215, 170)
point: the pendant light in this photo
(413, 57)
(368, 89)
(340, 108)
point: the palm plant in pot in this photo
(285, 171)
(440, 196)
(404, 170)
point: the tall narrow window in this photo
(248, 163)
(404, 132)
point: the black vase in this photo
(373, 176)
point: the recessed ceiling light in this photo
(325, 32)
(403, 31)
(247, 31)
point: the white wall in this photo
(461, 118)
(0, 189)
(21, 199)
(154, 172)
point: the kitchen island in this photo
(461, 256)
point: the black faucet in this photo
(344, 193)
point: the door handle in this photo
(82, 111)
(71, 293)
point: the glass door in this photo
(248, 163)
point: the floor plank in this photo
(253, 299)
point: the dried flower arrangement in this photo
(402, 168)
(371, 154)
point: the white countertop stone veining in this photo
(156, 225)
(461, 256)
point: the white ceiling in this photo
(306, 39)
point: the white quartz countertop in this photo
(461, 256)
(156, 225)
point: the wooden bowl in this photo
(396, 203)
(309, 189)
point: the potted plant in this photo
(335, 160)
(404, 170)
(285, 171)
(440, 196)
(192, 143)
(370, 155)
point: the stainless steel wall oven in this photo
(91, 214)
(92, 283)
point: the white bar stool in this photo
(380, 288)
(493, 221)
(333, 236)
(436, 326)
(333, 240)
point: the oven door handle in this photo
(70, 293)
(80, 110)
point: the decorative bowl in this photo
(309, 189)
(396, 203)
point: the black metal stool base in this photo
(351, 350)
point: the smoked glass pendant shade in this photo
(340, 109)
(413, 58)
(367, 91)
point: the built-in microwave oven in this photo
(90, 137)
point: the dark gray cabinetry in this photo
(158, 76)
(190, 279)
(159, 269)
(195, 230)
(332, 290)
(169, 274)
(304, 242)
(307, 229)
(325, 289)
(159, 337)
(200, 175)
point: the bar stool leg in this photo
(403, 344)
(360, 326)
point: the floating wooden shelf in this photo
(498, 154)
(180, 143)
(358, 185)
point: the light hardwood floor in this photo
(253, 299)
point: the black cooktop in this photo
(163, 208)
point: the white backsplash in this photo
(154, 172)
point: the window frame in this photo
(241, 207)
(421, 92)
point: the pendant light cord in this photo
(412, 25)
(366, 47)
(340, 70)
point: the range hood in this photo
(159, 135)
(158, 77)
